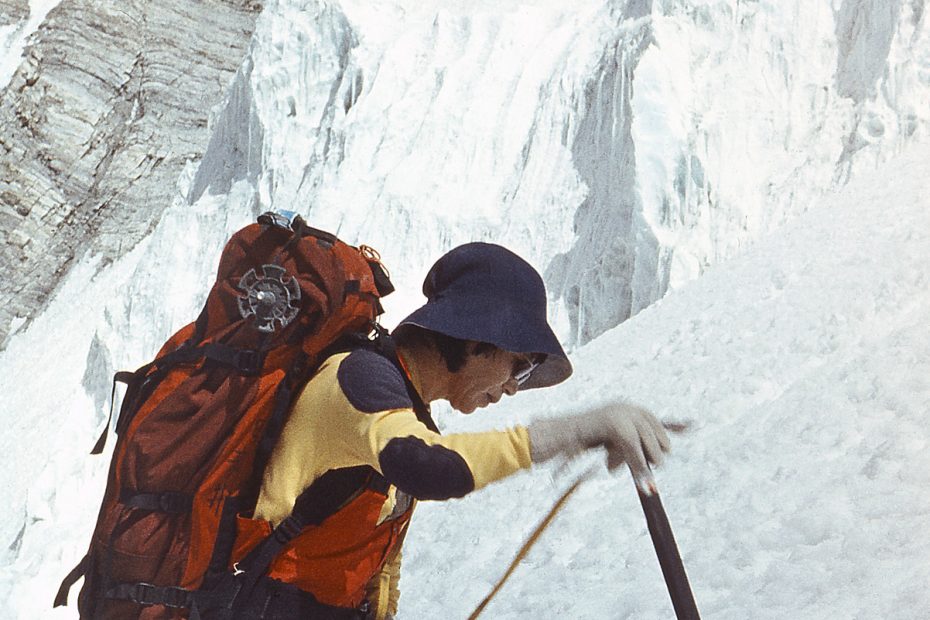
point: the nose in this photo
(510, 387)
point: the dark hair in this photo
(453, 351)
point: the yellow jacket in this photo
(358, 410)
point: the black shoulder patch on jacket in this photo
(424, 471)
(372, 383)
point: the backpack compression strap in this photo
(247, 362)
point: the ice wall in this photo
(622, 146)
(416, 127)
(743, 114)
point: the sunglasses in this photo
(523, 369)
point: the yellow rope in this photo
(525, 549)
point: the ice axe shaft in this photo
(664, 541)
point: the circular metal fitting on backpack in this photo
(272, 298)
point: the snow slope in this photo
(803, 488)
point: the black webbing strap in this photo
(165, 362)
(246, 361)
(200, 325)
(282, 404)
(274, 600)
(139, 381)
(148, 594)
(269, 599)
(305, 230)
(250, 570)
(218, 595)
(298, 226)
(68, 582)
(169, 501)
(225, 537)
(380, 484)
(122, 376)
(388, 348)
(329, 493)
(296, 376)
(259, 559)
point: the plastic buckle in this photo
(287, 530)
(177, 597)
(142, 594)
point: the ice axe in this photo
(669, 559)
(666, 549)
(664, 541)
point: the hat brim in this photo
(495, 322)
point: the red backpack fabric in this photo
(197, 424)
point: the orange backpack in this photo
(197, 424)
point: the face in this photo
(485, 378)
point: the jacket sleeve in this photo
(431, 466)
(365, 417)
(356, 412)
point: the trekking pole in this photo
(664, 541)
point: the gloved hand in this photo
(630, 434)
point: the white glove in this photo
(630, 434)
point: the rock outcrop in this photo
(13, 11)
(109, 104)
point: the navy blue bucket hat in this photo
(485, 292)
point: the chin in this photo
(466, 409)
(472, 405)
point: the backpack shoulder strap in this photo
(385, 345)
(320, 500)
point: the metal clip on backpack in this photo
(198, 423)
